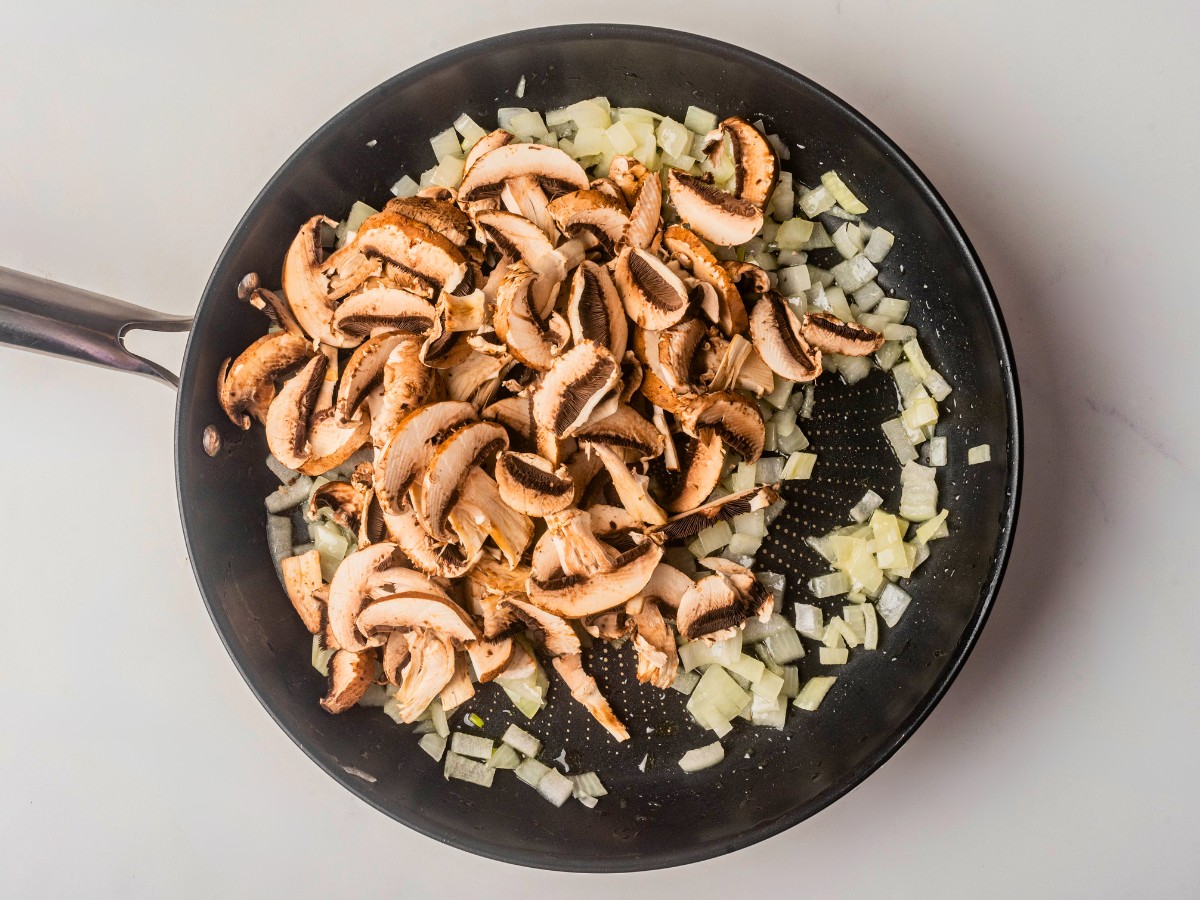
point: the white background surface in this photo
(134, 761)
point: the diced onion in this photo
(783, 198)
(879, 245)
(769, 712)
(437, 714)
(433, 744)
(784, 646)
(937, 451)
(446, 143)
(673, 137)
(556, 787)
(588, 784)
(892, 331)
(791, 682)
(531, 771)
(854, 368)
(794, 233)
(892, 309)
(929, 530)
(685, 682)
(405, 187)
(711, 539)
(980, 454)
(702, 757)
(770, 470)
(768, 685)
(844, 196)
(794, 281)
(699, 120)
(814, 692)
(892, 603)
(283, 473)
(289, 496)
(522, 740)
(834, 656)
(504, 757)
(810, 621)
(464, 769)
(863, 509)
(846, 242)
(775, 582)
(472, 745)
(813, 203)
(748, 667)
(742, 546)
(897, 435)
(870, 628)
(830, 585)
(799, 466)
(854, 273)
(717, 697)
(279, 537)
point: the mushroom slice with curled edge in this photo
(531, 340)
(711, 610)
(654, 389)
(575, 596)
(350, 674)
(626, 431)
(407, 383)
(430, 258)
(475, 379)
(449, 467)
(520, 240)
(313, 284)
(395, 655)
(575, 387)
(485, 144)
(481, 507)
(359, 574)
(609, 520)
(364, 371)
(383, 306)
(532, 485)
(489, 657)
(248, 385)
(593, 213)
(438, 215)
(514, 413)
(594, 309)
(666, 586)
(301, 577)
(459, 689)
(269, 303)
(654, 642)
(610, 189)
(444, 349)
(689, 524)
(331, 441)
(748, 278)
(287, 419)
(756, 599)
(555, 172)
(411, 446)
(556, 634)
(734, 417)
(677, 349)
(755, 168)
(627, 174)
(344, 502)
(654, 296)
(736, 364)
(777, 338)
(700, 472)
(829, 334)
(717, 216)
(631, 376)
(645, 213)
(524, 196)
(630, 489)
(689, 250)
(584, 689)
(462, 313)
(429, 555)
(430, 666)
(408, 611)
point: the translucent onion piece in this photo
(702, 757)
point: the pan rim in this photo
(957, 658)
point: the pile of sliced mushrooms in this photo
(545, 376)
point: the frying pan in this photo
(770, 780)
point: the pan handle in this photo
(48, 317)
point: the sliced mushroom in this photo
(383, 306)
(489, 657)
(591, 212)
(703, 460)
(313, 284)
(441, 216)
(686, 247)
(481, 505)
(459, 689)
(654, 296)
(748, 278)
(350, 674)
(269, 304)
(609, 520)
(655, 390)
(630, 489)
(757, 601)
(395, 655)
(524, 196)
(359, 574)
(462, 313)
(414, 248)
(248, 385)
(777, 338)
(654, 641)
(532, 485)
(717, 216)
(429, 669)
(627, 174)
(301, 577)
(575, 596)
(475, 379)
(411, 610)
(427, 554)
(677, 349)
(342, 499)
(645, 213)
(626, 431)
(666, 586)
(407, 383)
(556, 635)
(735, 418)
(609, 188)
(488, 142)
(514, 413)
(594, 309)
(711, 609)
(755, 168)
(331, 441)
(518, 323)
(449, 467)
(574, 388)
(585, 690)
(364, 371)
(409, 449)
(287, 418)
(689, 524)
(554, 171)
(829, 334)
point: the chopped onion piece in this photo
(863, 509)
(980, 454)
(711, 539)
(879, 245)
(854, 622)
(892, 309)
(685, 682)
(781, 393)
(921, 412)
(810, 621)
(748, 667)
(289, 496)
(834, 656)
(846, 242)
(892, 603)
(870, 628)
(588, 784)
(433, 744)
(775, 582)
(467, 770)
(834, 636)
(750, 523)
(842, 194)
(405, 187)
(784, 646)
(504, 757)
(818, 200)
(854, 273)
(790, 443)
(522, 740)
(699, 120)
(770, 470)
(888, 354)
(897, 435)
(814, 692)
(717, 693)
(769, 712)
(819, 239)
(283, 473)
(791, 682)
(441, 725)
(830, 585)
(555, 787)
(853, 368)
(768, 685)
(531, 771)
(794, 234)
(742, 546)
(929, 531)
(279, 538)
(938, 386)
(783, 198)
(937, 451)
(892, 331)
(673, 137)
(794, 281)
(444, 143)
(799, 466)
(702, 757)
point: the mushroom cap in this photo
(448, 468)
(519, 239)
(777, 338)
(594, 309)
(430, 667)
(756, 599)
(415, 248)
(686, 247)
(556, 172)
(610, 189)
(701, 471)
(248, 385)
(654, 296)
(689, 524)
(829, 334)
(625, 430)
(410, 610)
(731, 415)
(711, 605)
(384, 306)
(755, 168)
(287, 418)
(409, 449)
(747, 277)
(532, 485)
(530, 339)
(575, 596)
(717, 216)
(577, 383)
(438, 215)
(358, 574)
(350, 674)
(488, 142)
(476, 378)
(592, 212)
(606, 520)
(558, 637)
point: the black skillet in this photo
(769, 780)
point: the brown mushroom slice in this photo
(430, 667)
(610, 626)
(364, 371)
(554, 171)
(645, 213)
(703, 460)
(444, 349)
(288, 416)
(414, 248)
(710, 610)
(313, 283)
(497, 578)
(459, 689)
(755, 168)
(270, 304)
(332, 441)
(350, 674)
(627, 174)
(686, 247)
(829, 334)
(489, 657)
(439, 215)
(577, 383)
(427, 554)
(395, 655)
(475, 379)
(607, 520)
(575, 596)
(518, 323)
(408, 611)
(677, 349)
(757, 601)
(302, 576)
(594, 309)
(359, 574)
(520, 240)
(715, 215)
(747, 277)
(610, 189)
(488, 142)
(514, 413)
(480, 501)
(654, 642)
(407, 383)
(248, 385)
(556, 634)
(734, 417)
(656, 391)
(591, 212)
(341, 497)
(585, 690)
(448, 469)
(777, 338)
(523, 195)
(689, 524)
(383, 306)
(411, 446)
(463, 313)
(570, 545)
(632, 492)
(666, 586)
(654, 296)
(532, 485)
(625, 430)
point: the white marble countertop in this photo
(134, 761)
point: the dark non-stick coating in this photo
(769, 780)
